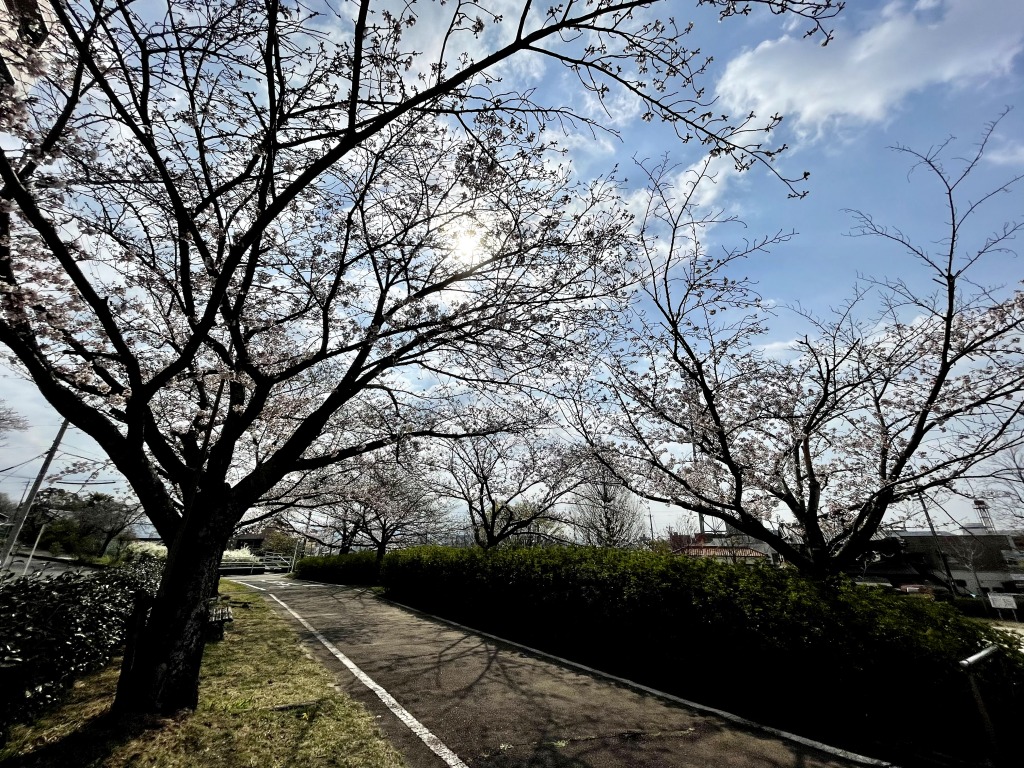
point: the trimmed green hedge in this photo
(874, 672)
(53, 630)
(355, 568)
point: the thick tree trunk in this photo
(162, 674)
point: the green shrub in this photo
(355, 568)
(53, 630)
(734, 636)
(139, 551)
(239, 556)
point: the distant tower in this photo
(981, 507)
(710, 526)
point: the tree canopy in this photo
(899, 391)
(10, 420)
(242, 239)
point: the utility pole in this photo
(26, 504)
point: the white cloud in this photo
(865, 75)
(782, 351)
(1006, 153)
(721, 176)
(703, 185)
(431, 37)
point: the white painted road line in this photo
(278, 584)
(435, 744)
(247, 584)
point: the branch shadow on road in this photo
(458, 646)
(631, 749)
(497, 683)
(500, 693)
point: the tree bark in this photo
(163, 675)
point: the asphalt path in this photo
(448, 697)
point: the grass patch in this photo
(262, 702)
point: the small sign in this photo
(1002, 601)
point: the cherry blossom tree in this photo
(394, 503)
(10, 421)
(604, 513)
(372, 501)
(333, 527)
(315, 505)
(871, 409)
(243, 239)
(512, 485)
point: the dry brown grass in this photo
(263, 704)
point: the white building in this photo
(22, 23)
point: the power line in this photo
(26, 505)
(8, 469)
(84, 482)
(87, 458)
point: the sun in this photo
(466, 245)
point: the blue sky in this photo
(912, 73)
(897, 73)
(909, 73)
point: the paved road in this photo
(492, 705)
(43, 566)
